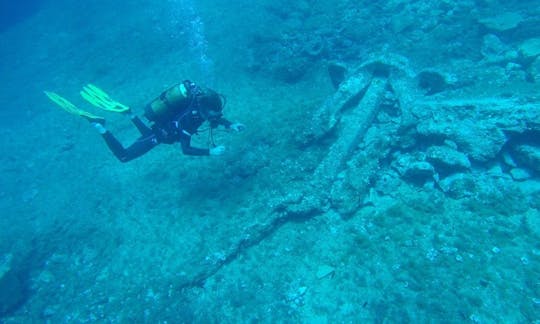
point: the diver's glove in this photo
(237, 127)
(218, 150)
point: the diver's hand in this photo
(237, 127)
(218, 150)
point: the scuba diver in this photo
(176, 116)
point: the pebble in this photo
(495, 250)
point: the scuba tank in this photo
(169, 103)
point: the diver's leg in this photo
(138, 148)
(143, 129)
(142, 145)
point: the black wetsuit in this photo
(178, 129)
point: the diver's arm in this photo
(220, 121)
(187, 149)
(237, 127)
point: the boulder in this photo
(528, 156)
(495, 51)
(481, 141)
(458, 185)
(520, 174)
(503, 22)
(530, 48)
(447, 159)
(414, 169)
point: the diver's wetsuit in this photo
(179, 129)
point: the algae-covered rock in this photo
(528, 156)
(502, 22)
(534, 70)
(530, 48)
(458, 185)
(481, 141)
(520, 174)
(447, 158)
(495, 51)
(414, 168)
(387, 183)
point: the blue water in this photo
(388, 171)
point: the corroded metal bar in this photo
(352, 129)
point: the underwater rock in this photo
(481, 141)
(502, 22)
(387, 183)
(458, 185)
(534, 70)
(448, 159)
(532, 222)
(419, 171)
(530, 48)
(495, 51)
(528, 156)
(520, 174)
(496, 171)
(413, 168)
(508, 160)
(314, 46)
(299, 204)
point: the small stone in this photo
(302, 290)
(324, 271)
(459, 258)
(524, 260)
(495, 250)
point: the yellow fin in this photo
(101, 99)
(68, 106)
